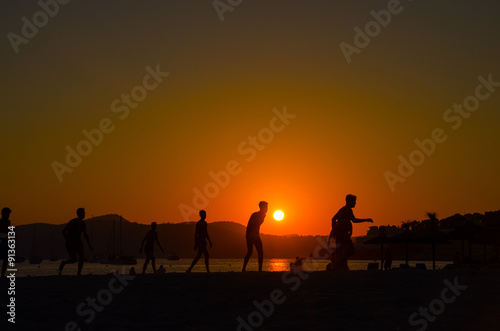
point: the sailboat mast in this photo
(34, 241)
(121, 252)
(113, 236)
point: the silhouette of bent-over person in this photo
(253, 235)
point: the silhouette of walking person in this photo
(72, 232)
(149, 243)
(200, 241)
(253, 235)
(342, 232)
(4, 231)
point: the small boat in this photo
(53, 258)
(173, 256)
(96, 258)
(122, 260)
(36, 259)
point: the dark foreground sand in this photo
(355, 300)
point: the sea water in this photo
(49, 268)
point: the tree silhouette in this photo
(406, 225)
(405, 237)
(433, 233)
(433, 221)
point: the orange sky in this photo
(225, 78)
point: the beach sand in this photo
(349, 300)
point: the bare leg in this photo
(206, 259)
(145, 264)
(153, 263)
(258, 246)
(61, 266)
(198, 255)
(81, 257)
(247, 257)
(340, 257)
(349, 252)
(72, 259)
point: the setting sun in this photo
(279, 215)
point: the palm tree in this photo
(432, 225)
(432, 222)
(381, 240)
(406, 225)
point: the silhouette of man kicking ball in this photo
(342, 232)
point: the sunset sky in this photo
(348, 122)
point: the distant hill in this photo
(228, 239)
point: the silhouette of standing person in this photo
(342, 231)
(253, 235)
(4, 231)
(200, 241)
(72, 232)
(149, 239)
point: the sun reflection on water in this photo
(277, 265)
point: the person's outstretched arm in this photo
(359, 220)
(362, 220)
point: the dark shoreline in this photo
(354, 300)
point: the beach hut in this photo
(474, 233)
(381, 240)
(404, 237)
(470, 232)
(432, 236)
